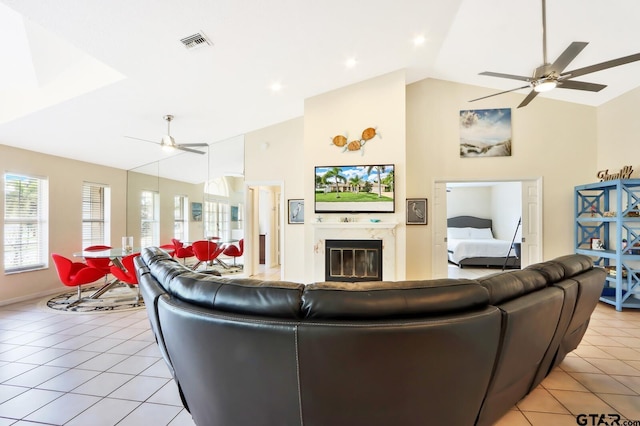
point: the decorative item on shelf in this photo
(374, 220)
(611, 271)
(624, 173)
(296, 211)
(633, 213)
(416, 211)
(597, 244)
(609, 214)
(356, 144)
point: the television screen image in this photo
(355, 189)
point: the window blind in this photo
(25, 223)
(93, 214)
(180, 215)
(150, 224)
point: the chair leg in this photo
(79, 293)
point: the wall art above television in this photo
(368, 188)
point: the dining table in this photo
(115, 255)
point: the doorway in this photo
(528, 229)
(263, 241)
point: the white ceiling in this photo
(99, 71)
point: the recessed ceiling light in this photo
(351, 62)
(276, 87)
(419, 40)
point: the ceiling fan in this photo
(168, 143)
(549, 76)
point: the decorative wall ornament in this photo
(624, 173)
(342, 141)
(485, 133)
(416, 211)
(296, 211)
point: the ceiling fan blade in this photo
(144, 140)
(501, 75)
(580, 85)
(500, 93)
(567, 56)
(602, 66)
(183, 148)
(193, 144)
(528, 99)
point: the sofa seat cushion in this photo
(388, 299)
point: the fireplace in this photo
(353, 260)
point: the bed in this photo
(470, 242)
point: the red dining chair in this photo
(75, 273)
(182, 252)
(103, 263)
(127, 274)
(234, 251)
(205, 251)
(169, 248)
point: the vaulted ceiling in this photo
(78, 77)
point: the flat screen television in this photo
(355, 189)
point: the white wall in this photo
(506, 208)
(618, 135)
(379, 103)
(274, 155)
(65, 213)
(551, 139)
(469, 201)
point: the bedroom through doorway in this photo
(478, 223)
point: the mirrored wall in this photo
(188, 196)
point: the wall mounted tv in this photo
(355, 189)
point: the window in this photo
(96, 201)
(26, 213)
(181, 217)
(217, 218)
(149, 215)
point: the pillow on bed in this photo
(458, 233)
(480, 233)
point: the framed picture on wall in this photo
(196, 212)
(296, 211)
(416, 211)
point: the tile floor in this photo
(105, 369)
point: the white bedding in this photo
(460, 249)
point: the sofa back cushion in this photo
(383, 299)
(278, 299)
(573, 264)
(510, 285)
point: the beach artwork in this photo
(485, 132)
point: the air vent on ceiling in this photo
(196, 40)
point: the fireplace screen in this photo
(353, 260)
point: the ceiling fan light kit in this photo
(545, 85)
(168, 143)
(549, 76)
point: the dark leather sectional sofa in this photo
(433, 352)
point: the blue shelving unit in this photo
(610, 212)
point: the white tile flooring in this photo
(83, 369)
(105, 369)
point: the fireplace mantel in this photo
(359, 229)
(353, 225)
